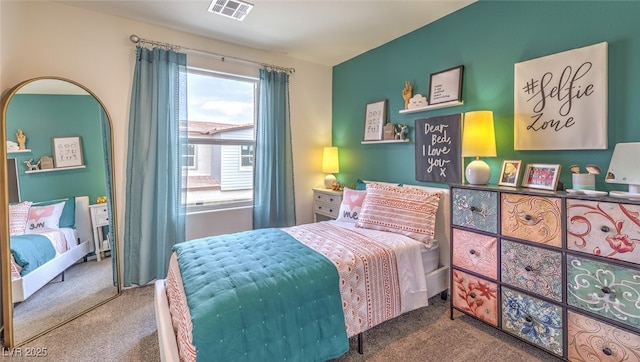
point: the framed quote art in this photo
(446, 86)
(67, 151)
(375, 117)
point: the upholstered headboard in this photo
(83, 219)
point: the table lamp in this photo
(330, 165)
(478, 140)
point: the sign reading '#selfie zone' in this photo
(560, 101)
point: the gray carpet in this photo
(85, 285)
(124, 330)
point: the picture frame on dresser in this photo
(541, 176)
(510, 173)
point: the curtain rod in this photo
(136, 39)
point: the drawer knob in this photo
(475, 209)
(472, 252)
(528, 217)
(605, 229)
(606, 290)
(528, 319)
(331, 199)
(528, 268)
(472, 295)
(330, 210)
(607, 351)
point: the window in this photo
(221, 140)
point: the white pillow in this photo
(44, 217)
(351, 205)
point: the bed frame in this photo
(437, 280)
(22, 288)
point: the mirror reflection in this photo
(60, 211)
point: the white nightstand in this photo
(100, 218)
(326, 204)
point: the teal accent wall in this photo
(42, 117)
(488, 38)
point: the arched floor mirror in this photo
(58, 255)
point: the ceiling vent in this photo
(231, 8)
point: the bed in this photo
(69, 234)
(405, 268)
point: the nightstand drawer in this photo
(475, 209)
(533, 218)
(475, 296)
(593, 340)
(476, 252)
(326, 199)
(534, 269)
(603, 228)
(326, 209)
(609, 290)
(532, 319)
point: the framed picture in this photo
(375, 117)
(446, 86)
(67, 151)
(541, 176)
(510, 173)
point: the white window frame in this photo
(235, 142)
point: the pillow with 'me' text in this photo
(351, 205)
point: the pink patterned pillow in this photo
(18, 215)
(404, 210)
(351, 205)
(44, 217)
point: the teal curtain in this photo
(108, 171)
(154, 211)
(274, 201)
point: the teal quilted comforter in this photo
(30, 251)
(261, 295)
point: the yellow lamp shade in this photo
(478, 136)
(330, 160)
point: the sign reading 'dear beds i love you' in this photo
(560, 101)
(438, 149)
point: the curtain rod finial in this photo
(134, 38)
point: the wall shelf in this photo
(57, 169)
(28, 150)
(432, 107)
(385, 141)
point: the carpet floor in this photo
(124, 329)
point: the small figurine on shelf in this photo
(22, 140)
(401, 129)
(407, 92)
(32, 167)
(101, 199)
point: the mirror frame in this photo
(5, 259)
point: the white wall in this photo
(41, 38)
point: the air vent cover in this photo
(231, 8)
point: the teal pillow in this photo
(68, 217)
(361, 185)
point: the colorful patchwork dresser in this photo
(559, 271)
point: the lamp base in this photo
(478, 172)
(329, 180)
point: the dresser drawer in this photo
(476, 252)
(475, 209)
(531, 268)
(475, 296)
(605, 289)
(604, 228)
(533, 218)
(532, 319)
(593, 340)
